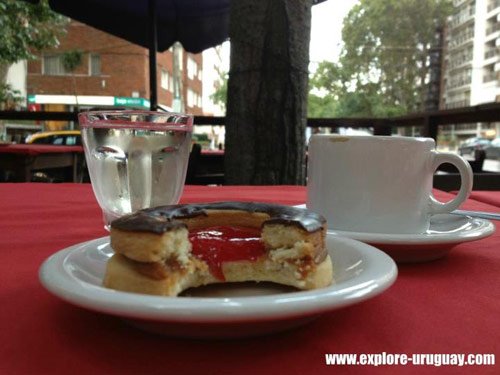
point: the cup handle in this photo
(466, 177)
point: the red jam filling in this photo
(219, 244)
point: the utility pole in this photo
(153, 47)
(177, 55)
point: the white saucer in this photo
(233, 310)
(445, 232)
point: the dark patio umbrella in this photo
(154, 24)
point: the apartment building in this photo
(472, 62)
(112, 73)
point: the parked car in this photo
(474, 148)
(493, 150)
(60, 137)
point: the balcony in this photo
(461, 39)
(458, 104)
(460, 63)
(458, 82)
(491, 53)
(493, 5)
(490, 76)
(459, 58)
(492, 29)
(462, 18)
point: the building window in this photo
(190, 98)
(193, 99)
(53, 66)
(166, 80)
(95, 64)
(192, 68)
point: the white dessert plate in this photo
(445, 232)
(220, 311)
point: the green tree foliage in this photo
(219, 96)
(71, 60)
(383, 69)
(25, 28)
(9, 98)
(319, 106)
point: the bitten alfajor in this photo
(166, 250)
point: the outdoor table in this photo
(23, 159)
(450, 305)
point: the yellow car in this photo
(60, 137)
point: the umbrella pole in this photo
(153, 44)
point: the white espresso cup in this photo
(379, 184)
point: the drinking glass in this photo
(136, 159)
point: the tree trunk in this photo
(267, 92)
(4, 68)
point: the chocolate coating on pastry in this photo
(164, 218)
(147, 221)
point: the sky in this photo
(326, 29)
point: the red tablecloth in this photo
(451, 305)
(35, 149)
(212, 152)
(490, 197)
